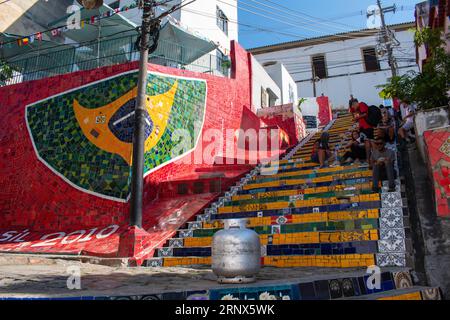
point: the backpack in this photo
(374, 116)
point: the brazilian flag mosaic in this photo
(85, 135)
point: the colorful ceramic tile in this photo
(154, 262)
(391, 259)
(194, 225)
(336, 291)
(263, 251)
(348, 287)
(391, 200)
(402, 280)
(386, 246)
(176, 243)
(186, 233)
(431, 294)
(392, 234)
(165, 252)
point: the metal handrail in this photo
(47, 63)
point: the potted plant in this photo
(428, 89)
(226, 65)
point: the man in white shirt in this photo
(408, 111)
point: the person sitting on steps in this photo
(321, 150)
(386, 127)
(357, 149)
(382, 162)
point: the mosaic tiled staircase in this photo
(305, 216)
(309, 217)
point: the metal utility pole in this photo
(137, 179)
(315, 79)
(386, 35)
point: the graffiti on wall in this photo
(85, 135)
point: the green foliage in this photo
(428, 88)
(226, 64)
(6, 72)
(300, 101)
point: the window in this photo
(319, 66)
(291, 93)
(223, 63)
(371, 62)
(115, 4)
(198, 187)
(222, 20)
(215, 186)
(182, 188)
(264, 98)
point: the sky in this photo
(290, 20)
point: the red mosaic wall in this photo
(325, 113)
(438, 149)
(33, 197)
(287, 119)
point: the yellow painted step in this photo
(305, 172)
(286, 193)
(278, 183)
(298, 238)
(298, 203)
(304, 218)
(330, 261)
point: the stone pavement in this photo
(34, 276)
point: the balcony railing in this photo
(86, 56)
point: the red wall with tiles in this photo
(438, 151)
(325, 113)
(31, 196)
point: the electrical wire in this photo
(302, 37)
(299, 15)
(286, 21)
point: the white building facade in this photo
(284, 80)
(342, 64)
(214, 20)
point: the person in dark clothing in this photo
(357, 149)
(321, 150)
(360, 112)
(382, 160)
(386, 128)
